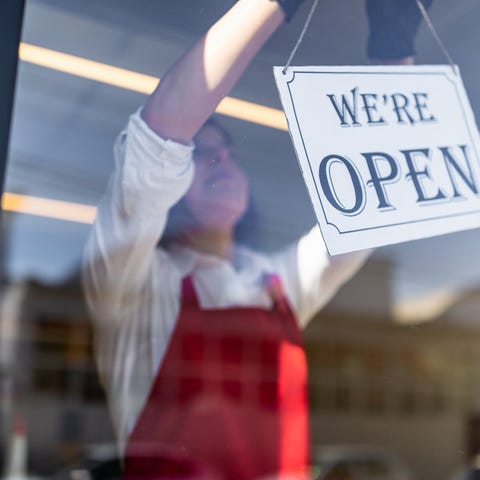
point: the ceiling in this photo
(64, 127)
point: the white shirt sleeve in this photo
(132, 287)
(151, 175)
(311, 276)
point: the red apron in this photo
(229, 400)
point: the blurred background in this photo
(394, 358)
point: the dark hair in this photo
(215, 123)
(180, 220)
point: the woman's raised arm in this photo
(191, 90)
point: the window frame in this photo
(11, 21)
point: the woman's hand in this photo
(289, 7)
(393, 28)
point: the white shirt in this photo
(133, 287)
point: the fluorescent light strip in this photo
(138, 82)
(44, 207)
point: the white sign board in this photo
(389, 154)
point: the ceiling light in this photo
(139, 82)
(44, 207)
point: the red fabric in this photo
(229, 401)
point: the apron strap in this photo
(274, 287)
(188, 293)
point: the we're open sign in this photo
(389, 154)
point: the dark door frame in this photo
(11, 19)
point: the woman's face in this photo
(218, 196)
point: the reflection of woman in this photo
(198, 341)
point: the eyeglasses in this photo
(214, 154)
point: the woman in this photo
(198, 340)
